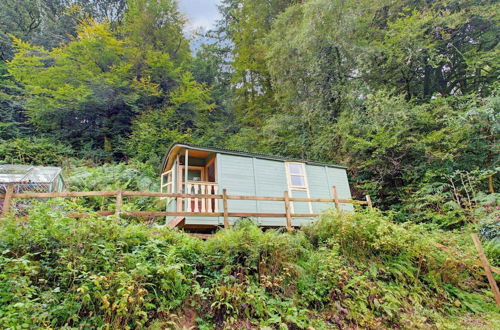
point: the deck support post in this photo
(8, 199)
(487, 268)
(369, 202)
(336, 198)
(119, 202)
(287, 211)
(224, 206)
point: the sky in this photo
(200, 13)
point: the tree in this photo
(245, 24)
(448, 48)
(14, 122)
(85, 92)
(152, 132)
(211, 67)
(157, 25)
(50, 23)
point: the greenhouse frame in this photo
(28, 178)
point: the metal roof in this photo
(245, 154)
(28, 173)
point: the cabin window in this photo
(211, 170)
(297, 182)
(167, 184)
(296, 175)
(194, 175)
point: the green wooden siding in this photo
(319, 186)
(270, 181)
(250, 176)
(338, 177)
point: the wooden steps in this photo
(175, 221)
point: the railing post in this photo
(336, 198)
(487, 268)
(369, 202)
(188, 199)
(203, 190)
(224, 206)
(8, 199)
(119, 202)
(287, 211)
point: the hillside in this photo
(345, 271)
(403, 95)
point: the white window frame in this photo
(291, 187)
(168, 186)
(303, 175)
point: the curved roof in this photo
(178, 146)
(28, 173)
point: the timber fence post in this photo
(336, 198)
(369, 202)
(487, 268)
(8, 199)
(287, 211)
(119, 202)
(224, 206)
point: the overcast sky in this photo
(200, 13)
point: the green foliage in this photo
(392, 91)
(34, 151)
(246, 25)
(390, 141)
(49, 23)
(346, 270)
(111, 177)
(405, 93)
(152, 132)
(14, 122)
(73, 93)
(90, 272)
(156, 25)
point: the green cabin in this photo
(200, 170)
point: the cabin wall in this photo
(270, 181)
(321, 181)
(338, 177)
(319, 186)
(249, 176)
(237, 175)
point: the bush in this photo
(116, 176)
(33, 151)
(346, 270)
(90, 272)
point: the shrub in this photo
(92, 271)
(347, 270)
(116, 176)
(36, 151)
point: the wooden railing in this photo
(201, 204)
(10, 195)
(286, 199)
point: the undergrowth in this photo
(346, 270)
